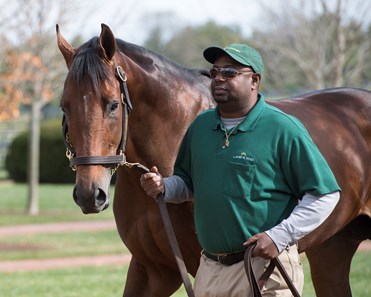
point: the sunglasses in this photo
(227, 73)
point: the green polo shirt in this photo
(254, 183)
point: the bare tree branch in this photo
(323, 39)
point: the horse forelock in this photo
(89, 67)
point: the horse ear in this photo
(107, 42)
(67, 50)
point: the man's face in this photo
(231, 81)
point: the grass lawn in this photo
(73, 244)
(56, 204)
(104, 281)
(108, 281)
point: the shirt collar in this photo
(251, 119)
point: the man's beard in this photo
(221, 100)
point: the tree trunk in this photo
(33, 159)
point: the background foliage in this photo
(54, 166)
(325, 48)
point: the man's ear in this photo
(255, 79)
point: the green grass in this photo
(56, 204)
(108, 281)
(104, 281)
(3, 174)
(73, 244)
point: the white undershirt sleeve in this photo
(311, 212)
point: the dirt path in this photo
(57, 263)
(57, 227)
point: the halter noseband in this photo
(116, 160)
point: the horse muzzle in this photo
(91, 200)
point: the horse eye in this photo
(114, 106)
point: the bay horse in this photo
(165, 98)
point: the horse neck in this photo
(165, 98)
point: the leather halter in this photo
(115, 160)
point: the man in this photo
(255, 176)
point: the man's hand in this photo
(265, 247)
(152, 182)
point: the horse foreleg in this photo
(143, 281)
(330, 262)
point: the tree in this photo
(10, 95)
(32, 69)
(315, 44)
(187, 45)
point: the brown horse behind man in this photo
(165, 98)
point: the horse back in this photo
(339, 121)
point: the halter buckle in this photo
(70, 155)
(121, 73)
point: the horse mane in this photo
(144, 57)
(89, 67)
(151, 60)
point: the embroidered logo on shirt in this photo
(243, 156)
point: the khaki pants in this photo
(216, 280)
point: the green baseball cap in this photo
(241, 53)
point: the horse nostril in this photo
(76, 198)
(100, 197)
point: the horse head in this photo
(93, 112)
